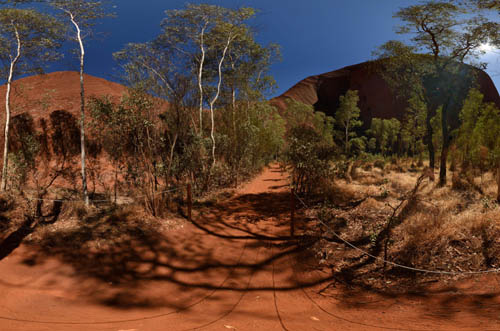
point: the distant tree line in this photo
(196, 109)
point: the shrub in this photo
(309, 154)
(379, 164)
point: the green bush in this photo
(309, 154)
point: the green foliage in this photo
(84, 13)
(413, 128)
(28, 39)
(23, 160)
(467, 140)
(37, 35)
(299, 114)
(206, 56)
(379, 134)
(444, 34)
(254, 138)
(309, 145)
(156, 149)
(208, 42)
(129, 135)
(309, 154)
(347, 119)
(402, 68)
(385, 134)
(111, 124)
(487, 128)
(477, 138)
(447, 29)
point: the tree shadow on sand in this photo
(119, 259)
(122, 261)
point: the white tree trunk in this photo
(13, 62)
(212, 131)
(200, 75)
(82, 110)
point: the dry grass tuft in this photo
(341, 192)
(374, 176)
(372, 204)
(380, 164)
(441, 228)
(458, 183)
(469, 241)
(100, 226)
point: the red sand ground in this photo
(234, 269)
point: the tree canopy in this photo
(445, 34)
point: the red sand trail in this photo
(234, 268)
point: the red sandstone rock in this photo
(42, 94)
(376, 98)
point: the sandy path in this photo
(234, 269)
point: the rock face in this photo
(376, 98)
(42, 94)
(42, 103)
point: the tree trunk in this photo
(171, 157)
(347, 140)
(212, 132)
(442, 166)
(116, 183)
(430, 144)
(446, 144)
(13, 62)
(200, 75)
(498, 182)
(212, 103)
(233, 95)
(82, 111)
(6, 138)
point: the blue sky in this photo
(316, 36)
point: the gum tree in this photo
(184, 39)
(201, 34)
(28, 39)
(81, 15)
(205, 61)
(413, 127)
(449, 33)
(347, 117)
(197, 42)
(246, 84)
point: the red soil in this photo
(233, 268)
